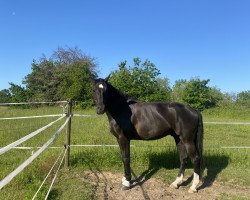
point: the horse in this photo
(136, 120)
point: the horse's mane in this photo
(129, 99)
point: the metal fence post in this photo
(68, 133)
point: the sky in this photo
(209, 39)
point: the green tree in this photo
(198, 94)
(75, 83)
(141, 81)
(178, 90)
(244, 97)
(43, 81)
(66, 74)
(18, 93)
(217, 96)
(5, 96)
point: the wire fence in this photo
(34, 103)
(67, 145)
(21, 167)
(46, 177)
(228, 123)
(41, 149)
(31, 117)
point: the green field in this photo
(227, 166)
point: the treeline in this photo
(68, 73)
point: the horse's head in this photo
(100, 95)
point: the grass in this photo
(155, 158)
(225, 196)
(233, 113)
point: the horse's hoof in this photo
(191, 191)
(123, 187)
(175, 186)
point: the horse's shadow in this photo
(213, 165)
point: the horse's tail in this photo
(199, 141)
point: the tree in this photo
(198, 94)
(66, 74)
(244, 97)
(141, 81)
(43, 81)
(18, 93)
(5, 96)
(178, 90)
(163, 90)
(75, 82)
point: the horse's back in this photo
(156, 120)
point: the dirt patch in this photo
(106, 185)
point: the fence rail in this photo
(25, 138)
(21, 167)
(28, 103)
(28, 161)
(228, 123)
(32, 117)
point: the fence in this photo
(64, 155)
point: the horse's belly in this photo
(149, 131)
(150, 121)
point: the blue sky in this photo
(209, 39)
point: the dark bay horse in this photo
(135, 120)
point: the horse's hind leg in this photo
(183, 162)
(195, 158)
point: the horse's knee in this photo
(195, 159)
(184, 161)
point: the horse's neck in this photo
(117, 103)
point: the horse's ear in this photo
(93, 80)
(107, 78)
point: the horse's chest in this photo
(121, 127)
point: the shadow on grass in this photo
(170, 160)
(54, 194)
(214, 165)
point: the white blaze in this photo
(101, 86)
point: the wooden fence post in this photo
(68, 133)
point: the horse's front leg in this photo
(124, 145)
